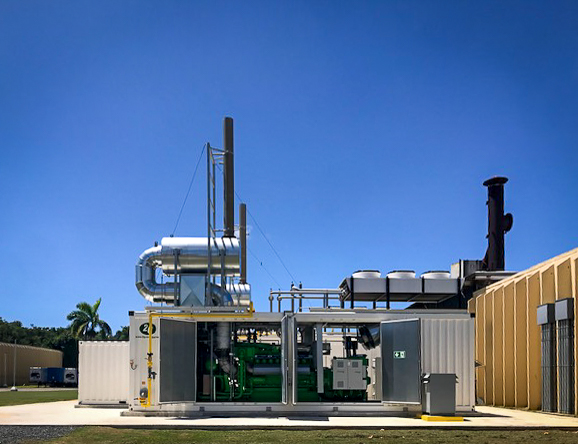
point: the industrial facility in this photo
(525, 338)
(16, 361)
(202, 349)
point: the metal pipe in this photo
(194, 252)
(209, 234)
(304, 297)
(145, 277)
(193, 257)
(240, 293)
(264, 369)
(321, 291)
(498, 225)
(294, 296)
(229, 178)
(300, 298)
(243, 241)
(223, 335)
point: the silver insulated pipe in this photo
(186, 255)
(193, 257)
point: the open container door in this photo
(288, 359)
(177, 360)
(401, 361)
(284, 359)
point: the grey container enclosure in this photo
(443, 341)
(444, 345)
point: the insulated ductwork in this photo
(223, 348)
(369, 336)
(145, 280)
(240, 294)
(187, 255)
(190, 254)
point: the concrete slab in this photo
(64, 413)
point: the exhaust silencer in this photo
(498, 225)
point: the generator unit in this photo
(204, 350)
(194, 362)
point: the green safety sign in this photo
(400, 354)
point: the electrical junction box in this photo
(439, 394)
(564, 309)
(349, 374)
(545, 314)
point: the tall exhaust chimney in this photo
(243, 241)
(498, 225)
(229, 178)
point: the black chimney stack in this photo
(498, 225)
(229, 178)
(243, 241)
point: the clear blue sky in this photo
(363, 131)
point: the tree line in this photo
(85, 324)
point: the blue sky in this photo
(363, 133)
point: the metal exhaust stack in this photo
(243, 241)
(229, 178)
(498, 225)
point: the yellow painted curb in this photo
(441, 418)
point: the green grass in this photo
(32, 397)
(103, 435)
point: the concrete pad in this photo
(64, 413)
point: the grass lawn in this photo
(32, 397)
(103, 435)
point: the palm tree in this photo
(86, 321)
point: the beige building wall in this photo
(508, 337)
(26, 357)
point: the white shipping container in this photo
(103, 372)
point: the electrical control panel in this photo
(349, 374)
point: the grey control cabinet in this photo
(349, 374)
(439, 391)
(401, 361)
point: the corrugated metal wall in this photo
(447, 346)
(103, 372)
(508, 339)
(26, 357)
